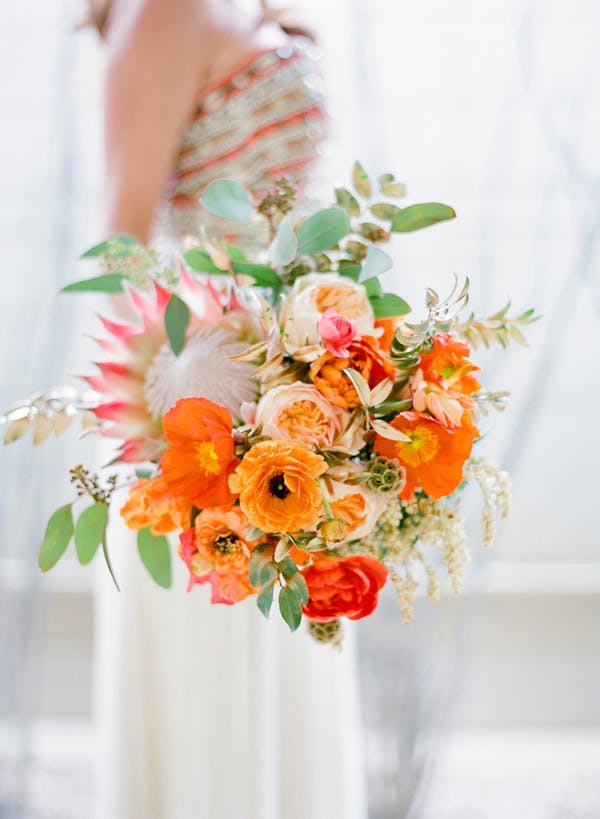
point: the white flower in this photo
(299, 412)
(358, 505)
(308, 299)
(203, 369)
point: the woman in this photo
(211, 711)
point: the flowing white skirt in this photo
(213, 712)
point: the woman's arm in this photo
(156, 50)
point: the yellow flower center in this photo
(422, 448)
(207, 458)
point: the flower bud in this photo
(334, 530)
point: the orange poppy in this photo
(200, 455)
(217, 551)
(277, 483)
(152, 504)
(347, 587)
(448, 363)
(434, 456)
(365, 357)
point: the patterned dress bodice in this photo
(262, 122)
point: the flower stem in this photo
(326, 504)
(108, 563)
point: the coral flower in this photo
(434, 456)
(151, 503)
(217, 551)
(365, 357)
(200, 455)
(336, 332)
(277, 482)
(343, 588)
(448, 363)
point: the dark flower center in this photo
(225, 544)
(277, 486)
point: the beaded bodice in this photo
(262, 122)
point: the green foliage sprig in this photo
(500, 328)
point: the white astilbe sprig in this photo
(495, 488)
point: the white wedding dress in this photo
(213, 712)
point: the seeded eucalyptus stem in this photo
(108, 563)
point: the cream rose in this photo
(359, 506)
(300, 413)
(310, 297)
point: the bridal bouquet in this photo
(303, 439)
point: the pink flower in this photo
(336, 332)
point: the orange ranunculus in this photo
(200, 455)
(365, 357)
(217, 551)
(151, 503)
(277, 483)
(346, 587)
(448, 364)
(433, 458)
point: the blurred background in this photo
(488, 705)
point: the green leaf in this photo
(389, 305)
(156, 556)
(284, 247)
(108, 283)
(376, 262)
(345, 200)
(89, 531)
(351, 271)
(297, 584)
(373, 289)
(229, 199)
(177, 317)
(264, 601)
(59, 532)
(395, 190)
(198, 259)
(261, 568)
(236, 254)
(290, 608)
(115, 246)
(323, 230)
(360, 180)
(415, 217)
(263, 276)
(144, 471)
(287, 567)
(385, 211)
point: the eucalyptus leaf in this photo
(177, 317)
(346, 201)
(263, 276)
(89, 531)
(389, 305)
(376, 262)
(373, 289)
(284, 247)
(323, 230)
(385, 211)
(264, 601)
(59, 532)
(198, 259)
(351, 271)
(415, 217)
(108, 283)
(360, 180)
(290, 608)
(156, 556)
(297, 584)
(228, 199)
(261, 562)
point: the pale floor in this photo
(510, 774)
